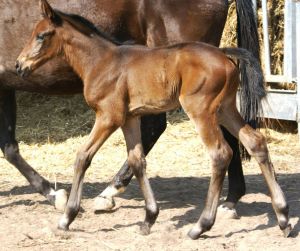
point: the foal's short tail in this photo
(253, 91)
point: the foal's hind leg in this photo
(136, 161)
(236, 181)
(220, 154)
(256, 145)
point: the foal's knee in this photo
(257, 147)
(136, 161)
(83, 160)
(221, 157)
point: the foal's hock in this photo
(121, 83)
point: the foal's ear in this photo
(47, 11)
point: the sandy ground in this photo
(50, 132)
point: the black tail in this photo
(252, 90)
(248, 39)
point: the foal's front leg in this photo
(136, 161)
(152, 126)
(102, 129)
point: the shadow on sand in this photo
(186, 192)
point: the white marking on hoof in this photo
(104, 203)
(227, 213)
(52, 192)
(111, 191)
(287, 231)
(195, 233)
(61, 199)
(63, 223)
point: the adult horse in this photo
(149, 22)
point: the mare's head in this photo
(44, 42)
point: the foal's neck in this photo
(83, 52)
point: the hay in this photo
(70, 117)
(276, 32)
(53, 154)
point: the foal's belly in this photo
(153, 107)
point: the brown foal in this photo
(121, 83)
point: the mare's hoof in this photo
(145, 229)
(61, 199)
(287, 231)
(104, 203)
(227, 213)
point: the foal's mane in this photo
(83, 25)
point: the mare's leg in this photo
(102, 129)
(152, 127)
(220, 154)
(256, 145)
(10, 148)
(236, 180)
(136, 161)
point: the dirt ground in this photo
(50, 132)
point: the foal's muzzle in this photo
(22, 71)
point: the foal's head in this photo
(44, 43)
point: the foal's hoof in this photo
(195, 233)
(227, 213)
(145, 229)
(104, 203)
(287, 231)
(63, 224)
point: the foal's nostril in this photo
(21, 72)
(17, 64)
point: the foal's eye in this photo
(40, 37)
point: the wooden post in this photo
(297, 7)
(266, 38)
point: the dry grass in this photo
(276, 25)
(71, 118)
(276, 36)
(52, 129)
